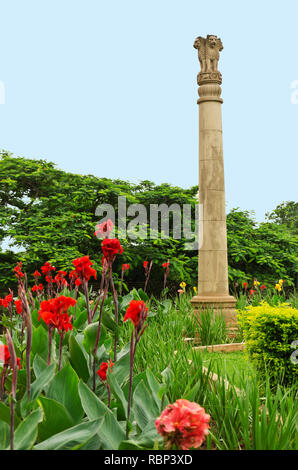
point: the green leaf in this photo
(4, 435)
(149, 435)
(78, 359)
(56, 418)
(39, 365)
(143, 296)
(90, 333)
(26, 432)
(40, 343)
(118, 392)
(37, 386)
(93, 443)
(34, 318)
(144, 406)
(64, 389)
(130, 445)
(154, 387)
(42, 381)
(81, 318)
(5, 414)
(108, 321)
(72, 437)
(111, 432)
(121, 367)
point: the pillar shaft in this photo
(213, 285)
(213, 263)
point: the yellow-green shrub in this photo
(268, 333)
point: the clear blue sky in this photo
(109, 88)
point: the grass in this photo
(255, 418)
(232, 365)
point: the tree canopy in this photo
(47, 214)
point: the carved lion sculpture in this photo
(208, 52)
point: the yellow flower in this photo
(183, 285)
(256, 283)
(195, 289)
(278, 287)
(281, 281)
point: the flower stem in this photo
(2, 381)
(132, 354)
(60, 350)
(99, 325)
(115, 297)
(109, 395)
(85, 285)
(50, 333)
(13, 385)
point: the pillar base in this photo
(225, 304)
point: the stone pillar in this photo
(213, 286)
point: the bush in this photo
(268, 332)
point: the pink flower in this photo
(184, 424)
(104, 230)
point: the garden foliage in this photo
(49, 215)
(268, 333)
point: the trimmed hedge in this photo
(268, 333)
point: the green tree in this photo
(47, 214)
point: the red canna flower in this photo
(5, 356)
(83, 269)
(36, 274)
(262, 287)
(78, 282)
(166, 265)
(245, 285)
(136, 312)
(47, 268)
(252, 292)
(18, 305)
(145, 264)
(6, 301)
(18, 270)
(62, 273)
(110, 248)
(125, 267)
(102, 371)
(37, 288)
(54, 313)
